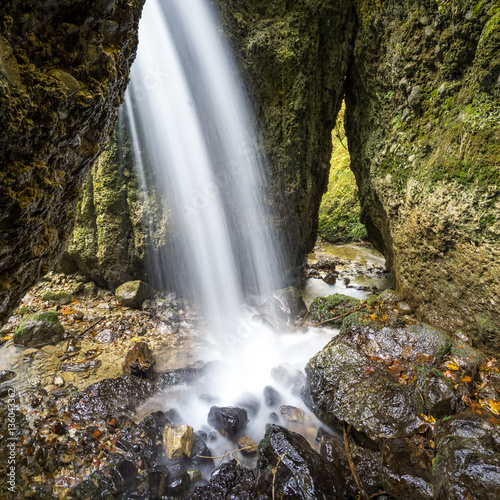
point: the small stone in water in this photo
(105, 336)
(6, 375)
(292, 414)
(58, 381)
(271, 396)
(247, 445)
(178, 441)
(227, 420)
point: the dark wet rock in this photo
(139, 361)
(467, 355)
(228, 420)
(324, 308)
(438, 392)
(331, 278)
(406, 470)
(272, 397)
(82, 366)
(228, 481)
(124, 394)
(123, 477)
(366, 462)
(39, 330)
(200, 454)
(286, 303)
(134, 293)
(467, 463)
(60, 297)
(178, 484)
(6, 375)
(300, 472)
(346, 386)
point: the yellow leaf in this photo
(452, 365)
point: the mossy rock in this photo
(325, 308)
(134, 293)
(39, 329)
(467, 353)
(60, 297)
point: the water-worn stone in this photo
(134, 293)
(291, 413)
(230, 480)
(406, 470)
(367, 464)
(247, 445)
(228, 420)
(297, 471)
(287, 303)
(357, 377)
(467, 463)
(139, 361)
(178, 441)
(39, 330)
(6, 375)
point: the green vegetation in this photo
(339, 210)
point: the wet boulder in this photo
(139, 361)
(289, 466)
(39, 330)
(467, 463)
(6, 376)
(228, 420)
(365, 376)
(437, 391)
(406, 470)
(366, 462)
(326, 308)
(347, 386)
(231, 480)
(134, 293)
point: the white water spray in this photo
(190, 122)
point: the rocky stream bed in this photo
(406, 411)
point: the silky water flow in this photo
(190, 124)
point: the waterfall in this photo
(190, 123)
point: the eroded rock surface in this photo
(63, 71)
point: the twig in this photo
(276, 470)
(341, 316)
(225, 454)
(90, 327)
(364, 496)
(378, 494)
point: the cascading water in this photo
(189, 122)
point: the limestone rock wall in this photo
(423, 122)
(294, 56)
(63, 70)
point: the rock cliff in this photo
(63, 70)
(423, 122)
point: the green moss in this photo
(60, 297)
(324, 308)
